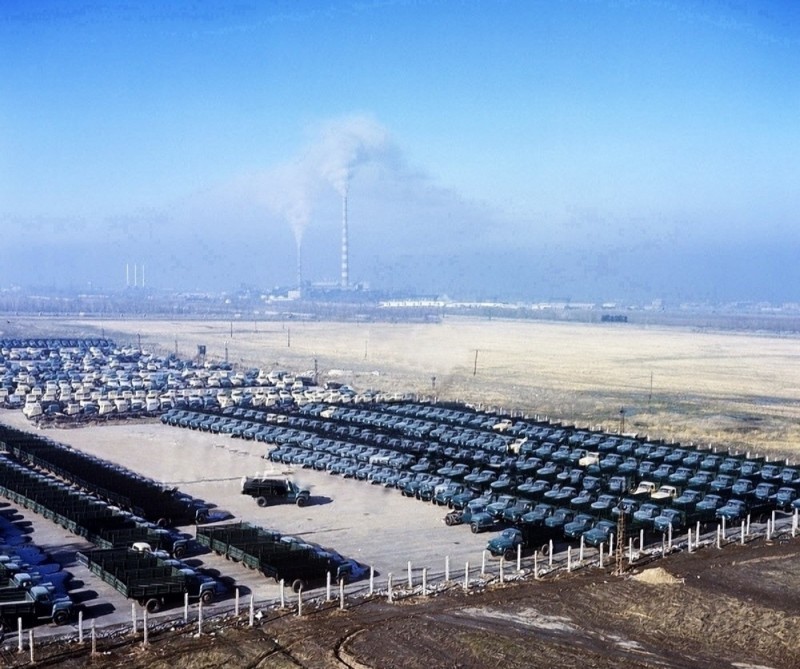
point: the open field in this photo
(732, 390)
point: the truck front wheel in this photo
(302, 501)
(179, 552)
(475, 529)
(261, 501)
(153, 605)
(60, 617)
(207, 597)
(298, 585)
(510, 555)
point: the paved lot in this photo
(377, 527)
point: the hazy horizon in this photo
(592, 149)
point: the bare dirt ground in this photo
(735, 607)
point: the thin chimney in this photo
(345, 281)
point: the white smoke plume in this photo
(335, 150)
(343, 144)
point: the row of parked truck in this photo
(299, 564)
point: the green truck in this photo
(146, 579)
(34, 605)
(267, 490)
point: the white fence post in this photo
(389, 589)
(410, 580)
(371, 580)
(446, 568)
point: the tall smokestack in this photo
(345, 281)
(299, 266)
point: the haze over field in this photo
(593, 150)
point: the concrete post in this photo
(723, 527)
(410, 580)
(742, 533)
(630, 550)
(502, 564)
(30, 644)
(200, 617)
(550, 554)
(389, 588)
(133, 618)
(569, 559)
(446, 568)
(236, 609)
(581, 549)
(328, 587)
(144, 627)
(641, 540)
(601, 556)
(669, 536)
(252, 609)
(371, 580)
(283, 594)
(519, 557)
(21, 644)
(341, 594)
(697, 534)
(424, 581)
(94, 640)
(80, 627)
(689, 541)
(186, 607)
(536, 565)
(300, 602)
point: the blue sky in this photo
(590, 149)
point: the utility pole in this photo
(288, 337)
(475, 364)
(621, 420)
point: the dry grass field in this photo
(726, 389)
